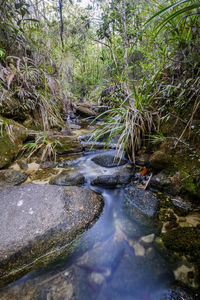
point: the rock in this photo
(36, 219)
(96, 146)
(102, 257)
(159, 160)
(109, 160)
(11, 143)
(185, 274)
(66, 130)
(139, 249)
(184, 242)
(96, 278)
(140, 206)
(120, 177)
(68, 177)
(176, 293)
(74, 126)
(11, 177)
(85, 111)
(163, 182)
(67, 144)
(180, 203)
(148, 239)
(142, 160)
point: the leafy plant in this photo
(42, 144)
(5, 126)
(183, 9)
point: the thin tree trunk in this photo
(61, 21)
(125, 44)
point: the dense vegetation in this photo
(138, 59)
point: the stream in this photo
(115, 259)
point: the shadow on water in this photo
(112, 260)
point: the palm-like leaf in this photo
(167, 14)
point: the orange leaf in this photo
(144, 171)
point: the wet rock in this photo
(176, 293)
(11, 143)
(180, 203)
(109, 160)
(96, 278)
(97, 146)
(68, 177)
(74, 126)
(35, 219)
(142, 160)
(11, 177)
(163, 182)
(140, 206)
(186, 275)
(139, 249)
(159, 160)
(66, 130)
(85, 111)
(148, 239)
(121, 177)
(102, 257)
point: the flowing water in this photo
(116, 259)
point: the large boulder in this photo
(36, 219)
(11, 140)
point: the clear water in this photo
(109, 262)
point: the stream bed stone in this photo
(11, 177)
(68, 177)
(36, 219)
(108, 160)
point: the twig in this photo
(148, 181)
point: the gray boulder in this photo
(36, 219)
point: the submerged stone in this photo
(140, 206)
(37, 219)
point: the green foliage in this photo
(42, 145)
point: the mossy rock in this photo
(184, 241)
(11, 141)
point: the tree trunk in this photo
(61, 21)
(125, 43)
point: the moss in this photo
(8, 150)
(184, 241)
(188, 183)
